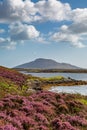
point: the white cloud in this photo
(76, 32)
(53, 10)
(18, 34)
(17, 10)
(79, 15)
(43, 10)
(73, 34)
(5, 43)
(19, 31)
(27, 11)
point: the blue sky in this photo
(43, 29)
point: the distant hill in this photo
(46, 64)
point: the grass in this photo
(7, 86)
(83, 101)
(54, 78)
(12, 82)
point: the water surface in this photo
(66, 89)
(70, 89)
(77, 76)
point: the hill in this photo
(46, 64)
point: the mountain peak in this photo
(40, 59)
(42, 63)
(44, 60)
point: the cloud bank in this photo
(21, 14)
(27, 11)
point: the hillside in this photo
(11, 81)
(46, 64)
(12, 75)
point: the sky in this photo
(51, 29)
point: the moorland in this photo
(25, 104)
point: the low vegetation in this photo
(54, 78)
(14, 76)
(11, 82)
(43, 111)
(21, 109)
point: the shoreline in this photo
(37, 83)
(51, 70)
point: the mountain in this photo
(46, 64)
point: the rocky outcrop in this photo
(39, 84)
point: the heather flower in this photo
(41, 118)
(58, 124)
(77, 120)
(1, 104)
(8, 127)
(42, 127)
(14, 76)
(41, 111)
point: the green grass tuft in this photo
(54, 78)
(83, 101)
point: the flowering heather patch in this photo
(12, 82)
(61, 125)
(41, 111)
(8, 127)
(12, 75)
